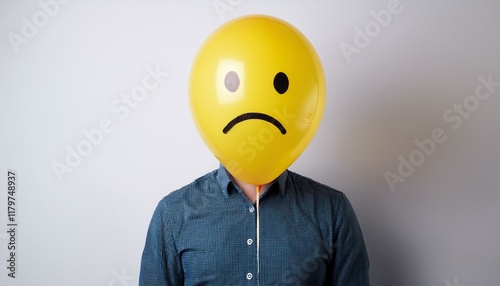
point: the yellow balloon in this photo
(257, 94)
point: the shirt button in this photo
(249, 276)
(249, 241)
(251, 209)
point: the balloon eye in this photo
(232, 81)
(280, 82)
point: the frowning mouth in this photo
(254, 115)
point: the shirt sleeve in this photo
(160, 265)
(351, 264)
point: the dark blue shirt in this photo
(205, 234)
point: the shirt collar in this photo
(224, 180)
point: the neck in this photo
(250, 190)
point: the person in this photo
(257, 92)
(205, 234)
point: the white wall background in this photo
(441, 226)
